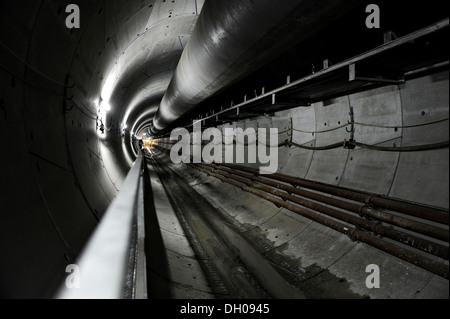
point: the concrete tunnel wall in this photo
(58, 176)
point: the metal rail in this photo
(104, 265)
(424, 236)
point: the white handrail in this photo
(103, 264)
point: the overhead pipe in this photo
(234, 38)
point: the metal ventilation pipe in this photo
(233, 39)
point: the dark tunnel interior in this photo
(336, 169)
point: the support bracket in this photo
(352, 77)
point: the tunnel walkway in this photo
(172, 263)
(216, 262)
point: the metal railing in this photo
(112, 265)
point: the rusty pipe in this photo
(424, 262)
(416, 210)
(363, 210)
(376, 227)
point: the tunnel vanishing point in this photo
(355, 101)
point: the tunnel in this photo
(209, 149)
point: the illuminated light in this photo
(104, 108)
(108, 87)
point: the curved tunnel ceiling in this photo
(147, 63)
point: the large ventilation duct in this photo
(234, 38)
